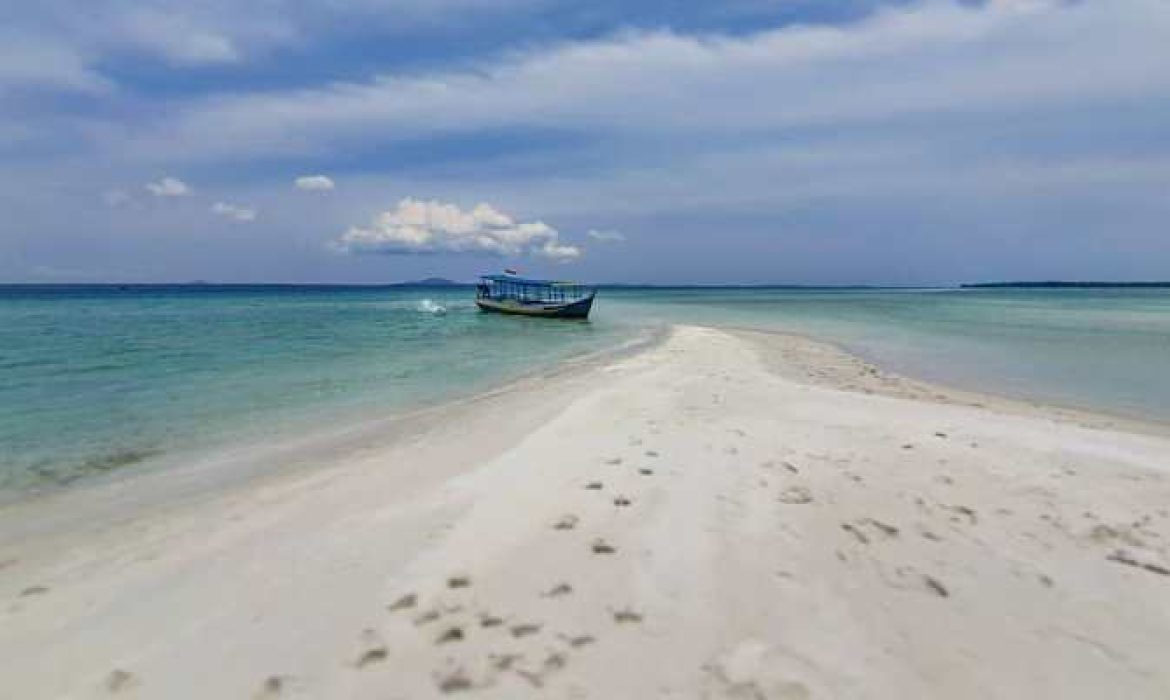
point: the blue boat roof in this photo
(512, 279)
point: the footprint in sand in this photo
(120, 680)
(453, 682)
(534, 679)
(271, 688)
(969, 513)
(487, 620)
(928, 534)
(885, 528)
(935, 586)
(404, 603)
(856, 532)
(370, 656)
(552, 663)
(451, 634)
(626, 616)
(621, 502)
(795, 495)
(426, 617)
(459, 582)
(558, 590)
(614, 462)
(593, 486)
(651, 453)
(858, 529)
(579, 641)
(645, 472)
(34, 590)
(525, 630)
(602, 547)
(566, 522)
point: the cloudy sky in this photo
(799, 141)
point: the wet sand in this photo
(724, 515)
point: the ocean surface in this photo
(104, 379)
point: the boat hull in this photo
(575, 309)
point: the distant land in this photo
(1052, 284)
(430, 282)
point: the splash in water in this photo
(428, 306)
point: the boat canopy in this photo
(512, 279)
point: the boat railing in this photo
(526, 291)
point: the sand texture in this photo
(724, 515)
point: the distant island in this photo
(1067, 285)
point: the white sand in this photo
(798, 525)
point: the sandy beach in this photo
(723, 515)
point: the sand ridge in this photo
(696, 521)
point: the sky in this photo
(745, 141)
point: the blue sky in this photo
(796, 141)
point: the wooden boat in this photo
(509, 294)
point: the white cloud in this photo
(234, 211)
(169, 187)
(37, 61)
(417, 226)
(606, 236)
(314, 182)
(560, 252)
(177, 38)
(63, 43)
(931, 58)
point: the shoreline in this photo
(847, 368)
(853, 371)
(191, 476)
(344, 430)
(719, 514)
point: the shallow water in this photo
(1100, 349)
(96, 379)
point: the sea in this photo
(108, 379)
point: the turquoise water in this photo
(1099, 349)
(96, 379)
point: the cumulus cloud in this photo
(606, 236)
(234, 211)
(417, 227)
(169, 187)
(315, 182)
